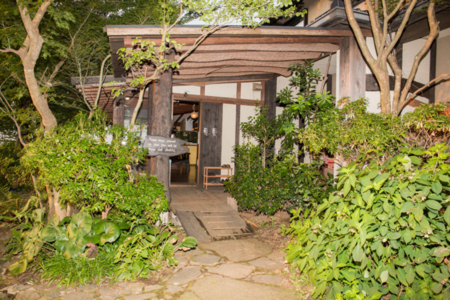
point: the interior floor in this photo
(183, 173)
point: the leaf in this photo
(436, 187)
(18, 267)
(384, 276)
(447, 215)
(407, 236)
(394, 235)
(401, 276)
(437, 288)
(189, 242)
(80, 225)
(406, 206)
(346, 188)
(433, 204)
(109, 232)
(409, 274)
(358, 253)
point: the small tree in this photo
(382, 13)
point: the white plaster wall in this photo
(246, 112)
(190, 89)
(247, 91)
(228, 134)
(410, 50)
(443, 66)
(316, 8)
(221, 90)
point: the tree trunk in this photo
(39, 101)
(162, 126)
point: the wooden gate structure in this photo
(234, 54)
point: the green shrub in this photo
(89, 164)
(384, 232)
(283, 185)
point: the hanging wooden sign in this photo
(161, 146)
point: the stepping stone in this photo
(78, 296)
(278, 256)
(173, 289)
(267, 279)
(182, 261)
(107, 294)
(188, 296)
(236, 271)
(52, 295)
(266, 263)
(136, 287)
(238, 250)
(150, 288)
(222, 288)
(185, 275)
(206, 259)
(140, 297)
(28, 295)
(193, 252)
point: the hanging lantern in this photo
(194, 114)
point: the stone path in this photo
(234, 269)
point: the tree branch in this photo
(413, 95)
(40, 13)
(10, 50)
(100, 81)
(434, 31)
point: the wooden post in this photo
(151, 95)
(162, 124)
(433, 55)
(238, 115)
(352, 70)
(270, 98)
(118, 110)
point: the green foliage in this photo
(266, 182)
(352, 133)
(146, 250)
(385, 231)
(90, 163)
(79, 270)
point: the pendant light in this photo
(194, 114)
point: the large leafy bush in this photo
(384, 232)
(90, 164)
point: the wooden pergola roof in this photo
(234, 53)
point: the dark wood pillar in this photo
(352, 70)
(162, 125)
(119, 110)
(151, 94)
(270, 98)
(238, 116)
(433, 55)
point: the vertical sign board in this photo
(162, 146)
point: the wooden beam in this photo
(238, 63)
(195, 31)
(224, 40)
(213, 99)
(225, 79)
(200, 77)
(211, 71)
(352, 70)
(257, 56)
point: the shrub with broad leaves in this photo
(385, 231)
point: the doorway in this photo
(186, 121)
